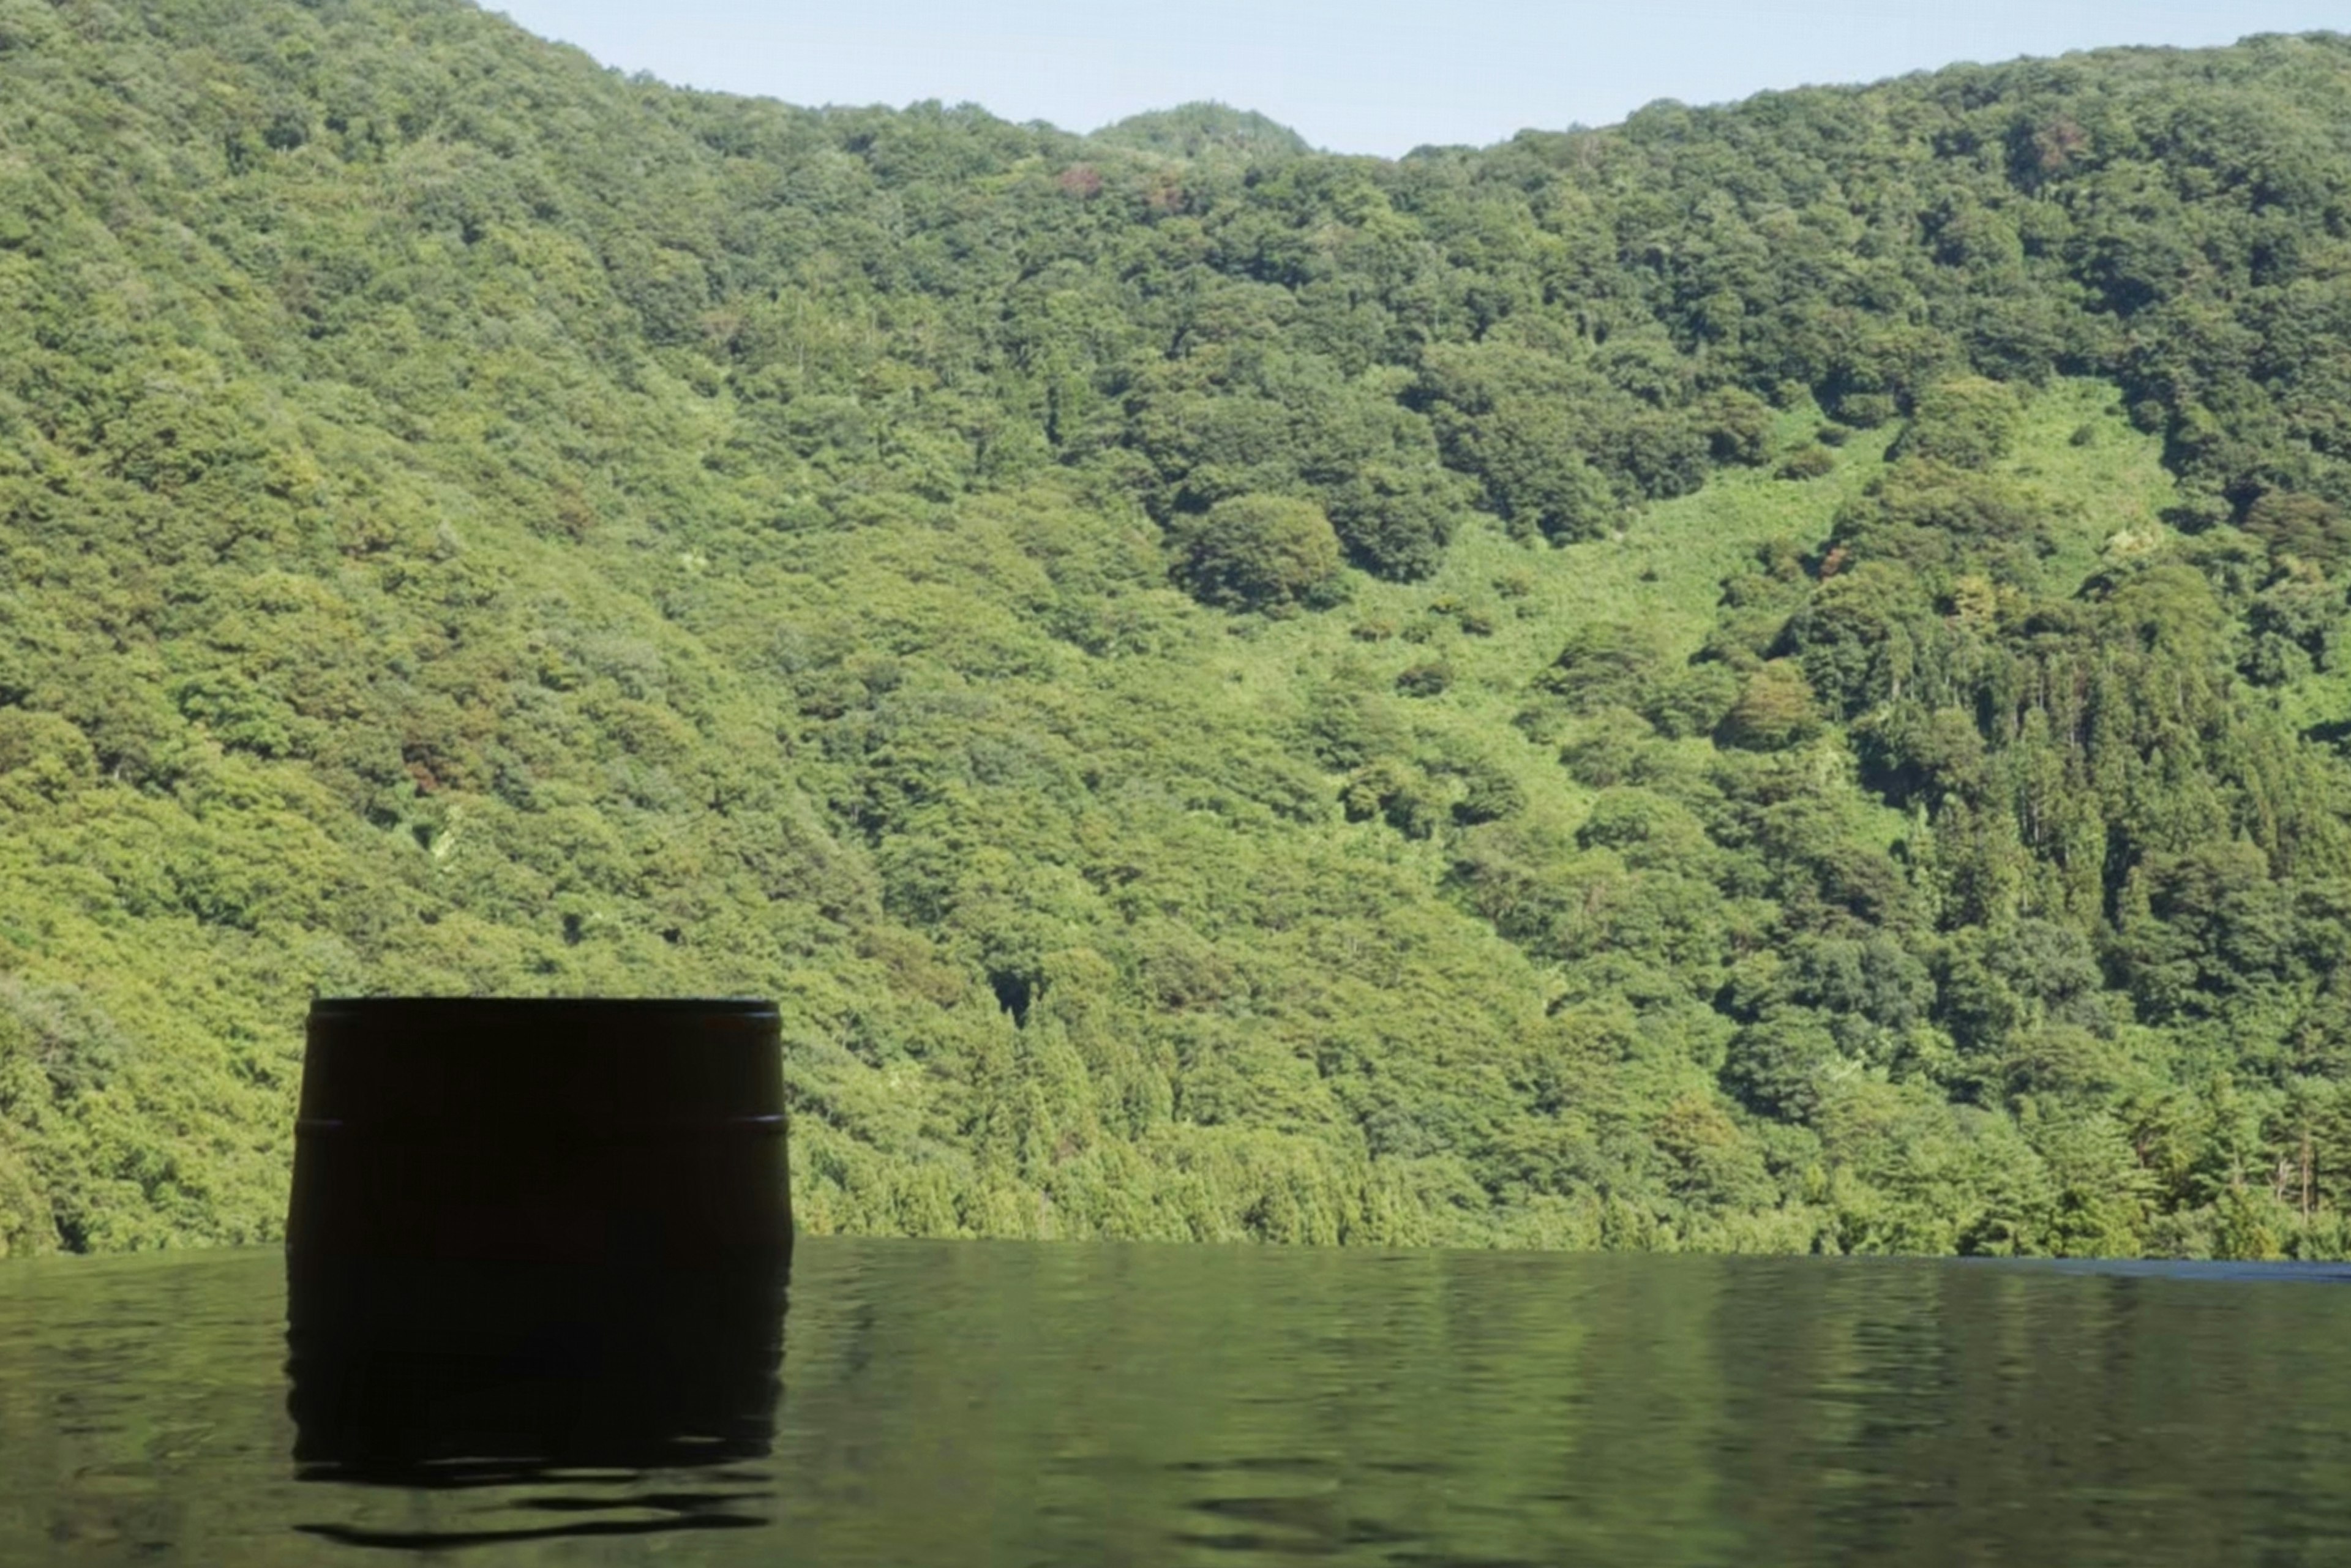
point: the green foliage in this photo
(1967, 421)
(2301, 528)
(1255, 552)
(1775, 709)
(469, 522)
(1808, 462)
(1604, 664)
(1195, 130)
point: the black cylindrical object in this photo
(567, 1131)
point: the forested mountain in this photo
(1769, 677)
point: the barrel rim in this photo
(683, 1006)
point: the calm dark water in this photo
(947, 1403)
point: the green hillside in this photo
(1765, 678)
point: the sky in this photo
(1377, 77)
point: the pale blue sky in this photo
(1356, 76)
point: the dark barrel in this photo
(559, 1131)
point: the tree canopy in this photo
(1767, 677)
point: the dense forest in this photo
(1763, 678)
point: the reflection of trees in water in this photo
(1068, 1403)
(563, 1401)
(1016, 1403)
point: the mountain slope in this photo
(1760, 678)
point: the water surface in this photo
(948, 1402)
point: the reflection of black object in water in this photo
(539, 1243)
(625, 1398)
